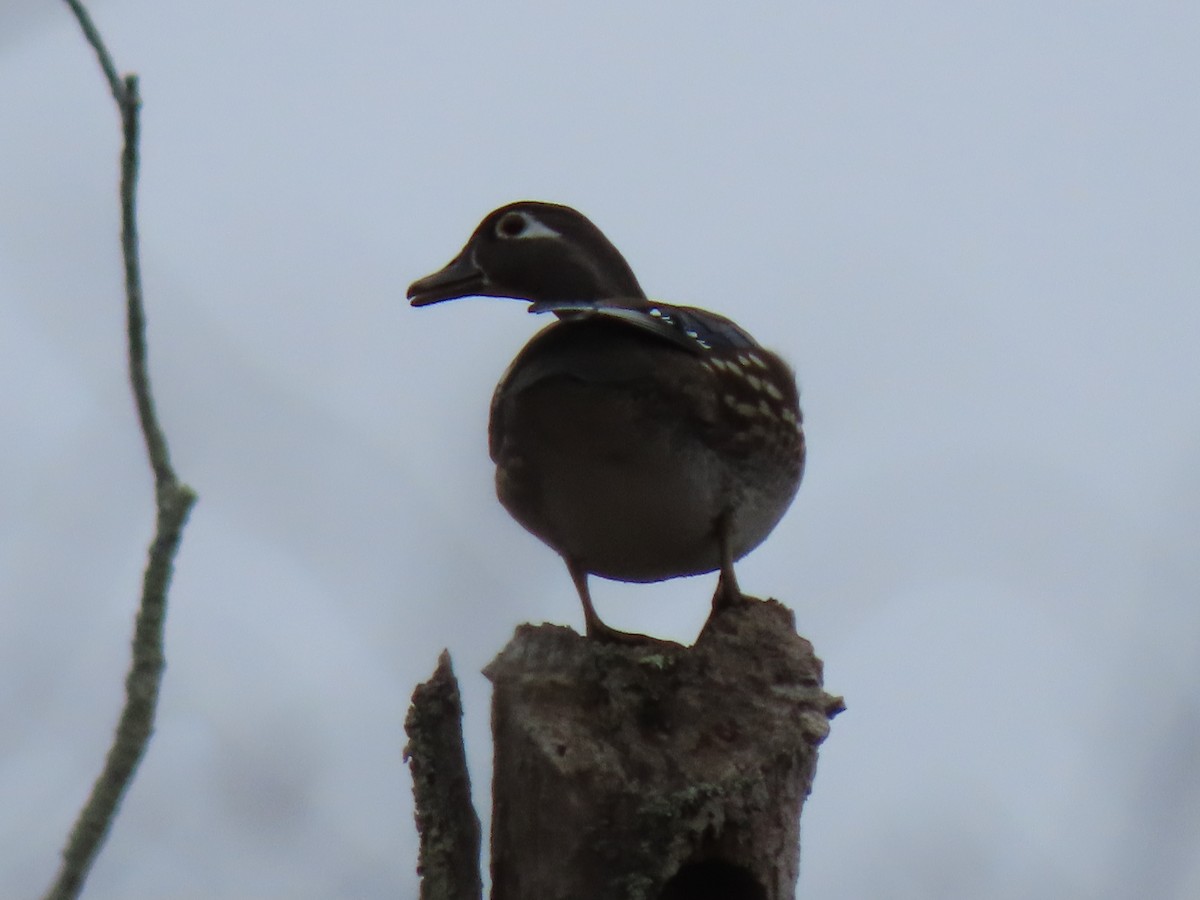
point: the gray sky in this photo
(973, 229)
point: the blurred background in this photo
(974, 229)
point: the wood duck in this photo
(641, 441)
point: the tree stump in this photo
(655, 771)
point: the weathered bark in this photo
(655, 772)
(446, 821)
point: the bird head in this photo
(529, 250)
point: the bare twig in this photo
(173, 501)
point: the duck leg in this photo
(728, 593)
(595, 627)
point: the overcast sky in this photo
(974, 229)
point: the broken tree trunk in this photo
(446, 821)
(655, 771)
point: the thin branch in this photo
(173, 502)
(97, 42)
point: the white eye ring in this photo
(519, 226)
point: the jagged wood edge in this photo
(446, 821)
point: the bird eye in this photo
(511, 226)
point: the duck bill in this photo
(460, 278)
